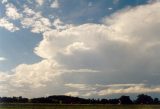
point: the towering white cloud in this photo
(75, 46)
(125, 44)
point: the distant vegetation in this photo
(62, 99)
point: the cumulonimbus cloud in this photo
(125, 44)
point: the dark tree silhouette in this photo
(13, 100)
(104, 101)
(125, 100)
(62, 99)
(113, 101)
(156, 101)
(144, 99)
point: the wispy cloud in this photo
(72, 94)
(40, 2)
(2, 59)
(35, 21)
(8, 25)
(55, 4)
(115, 1)
(4, 1)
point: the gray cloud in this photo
(106, 90)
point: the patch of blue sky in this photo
(18, 48)
(92, 11)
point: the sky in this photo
(85, 48)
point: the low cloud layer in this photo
(123, 49)
(107, 90)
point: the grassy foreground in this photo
(48, 106)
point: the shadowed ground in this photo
(50, 106)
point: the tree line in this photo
(62, 99)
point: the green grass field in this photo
(47, 106)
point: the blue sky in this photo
(87, 48)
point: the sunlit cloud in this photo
(12, 12)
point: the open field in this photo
(48, 106)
